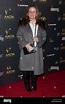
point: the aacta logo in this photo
(9, 70)
(8, 35)
(8, 53)
(7, 16)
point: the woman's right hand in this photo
(29, 47)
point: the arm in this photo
(21, 39)
(42, 38)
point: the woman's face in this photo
(32, 13)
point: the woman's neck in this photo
(33, 21)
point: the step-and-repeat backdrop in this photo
(53, 13)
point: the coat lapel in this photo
(29, 30)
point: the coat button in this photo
(21, 58)
(43, 38)
(32, 67)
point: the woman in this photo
(31, 30)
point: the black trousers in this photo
(29, 79)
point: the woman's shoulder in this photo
(22, 22)
(41, 23)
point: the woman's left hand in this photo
(35, 39)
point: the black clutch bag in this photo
(27, 52)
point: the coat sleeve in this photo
(42, 38)
(20, 37)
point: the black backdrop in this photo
(53, 13)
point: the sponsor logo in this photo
(8, 34)
(8, 14)
(22, 5)
(51, 24)
(7, 100)
(8, 53)
(54, 68)
(54, 9)
(50, 55)
(9, 70)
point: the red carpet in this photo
(52, 85)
